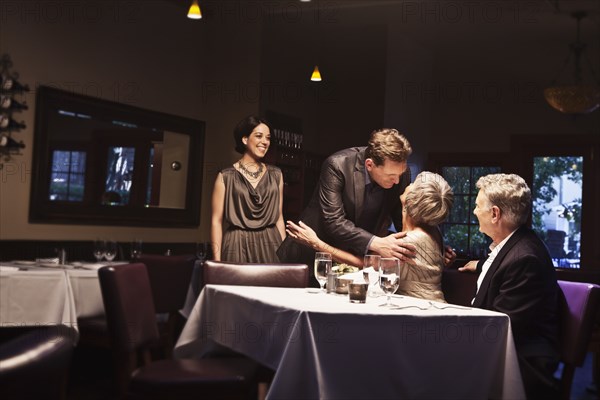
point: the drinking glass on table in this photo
(371, 264)
(99, 249)
(322, 268)
(202, 251)
(136, 249)
(389, 277)
(111, 250)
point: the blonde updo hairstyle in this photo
(429, 201)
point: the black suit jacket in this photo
(521, 282)
(337, 204)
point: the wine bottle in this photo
(8, 103)
(12, 85)
(9, 124)
(7, 142)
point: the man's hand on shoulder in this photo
(393, 246)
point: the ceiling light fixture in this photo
(576, 98)
(194, 11)
(316, 75)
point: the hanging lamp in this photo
(316, 75)
(576, 98)
(194, 11)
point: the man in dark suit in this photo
(357, 197)
(518, 278)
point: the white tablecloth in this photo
(322, 346)
(40, 297)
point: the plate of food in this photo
(343, 269)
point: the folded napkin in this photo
(6, 268)
(92, 266)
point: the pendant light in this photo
(194, 11)
(316, 75)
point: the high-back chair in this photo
(578, 310)
(131, 320)
(246, 274)
(35, 365)
(459, 287)
(170, 278)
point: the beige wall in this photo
(151, 57)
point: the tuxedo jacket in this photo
(337, 203)
(521, 282)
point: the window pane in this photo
(457, 236)
(557, 206)
(478, 172)
(460, 209)
(457, 178)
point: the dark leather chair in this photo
(35, 365)
(132, 328)
(459, 287)
(578, 310)
(246, 274)
(170, 278)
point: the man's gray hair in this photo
(510, 193)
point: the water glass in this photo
(323, 264)
(99, 249)
(371, 264)
(202, 250)
(136, 249)
(389, 277)
(110, 251)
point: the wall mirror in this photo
(104, 163)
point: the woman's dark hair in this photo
(244, 128)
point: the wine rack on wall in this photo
(11, 104)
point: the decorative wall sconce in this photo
(576, 98)
(10, 89)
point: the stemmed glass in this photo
(136, 249)
(110, 250)
(372, 277)
(322, 268)
(99, 249)
(389, 277)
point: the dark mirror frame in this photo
(43, 210)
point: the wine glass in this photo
(372, 277)
(322, 268)
(111, 250)
(99, 249)
(136, 249)
(389, 277)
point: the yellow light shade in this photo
(316, 75)
(194, 11)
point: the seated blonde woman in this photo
(425, 204)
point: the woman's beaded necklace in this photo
(251, 174)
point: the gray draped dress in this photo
(250, 215)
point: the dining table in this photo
(322, 346)
(39, 294)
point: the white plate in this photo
(313, 290)
(52, 265)
(24, 262)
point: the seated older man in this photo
(518, 278)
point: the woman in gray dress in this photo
(247, 221)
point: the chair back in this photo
(128, 305)
(248, 274)
(459, 287)
(578, 310)
(35, 365)
(170, 278)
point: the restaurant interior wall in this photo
(118, 51)
(451, 86)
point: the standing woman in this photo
(247, 221)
